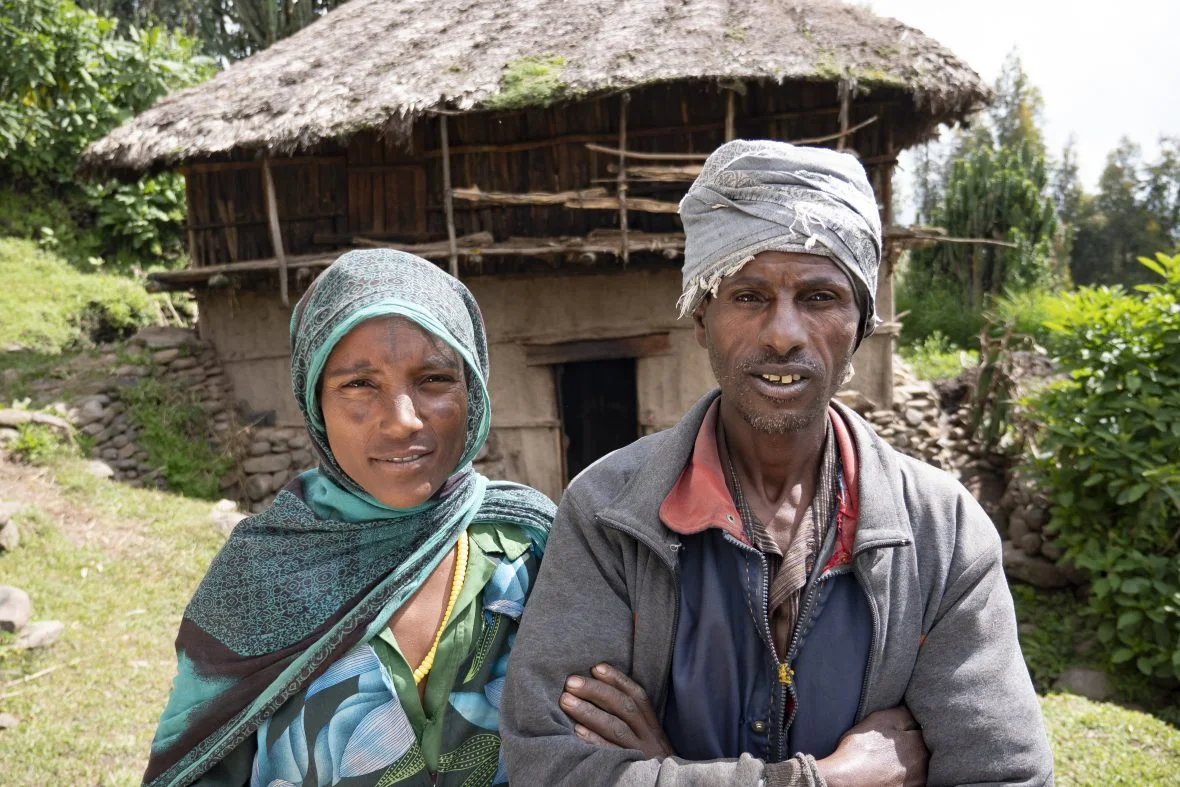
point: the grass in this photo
(935, 358)
(118, 565)
(49, 306)
(1099, 743)
(174, 431)
(532, 81)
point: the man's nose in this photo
(400, 418)
(783, 330)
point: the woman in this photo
(357, 632)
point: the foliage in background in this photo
(174, 431)
(229, 29)
(67, 77)
(48, 306)
(1136, 211)
(934, 358)
(1109, 456)
(990, 182)
(38, 444)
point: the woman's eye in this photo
(358, 384)
(439, 378)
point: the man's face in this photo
(780, 334)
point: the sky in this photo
(1105, 69)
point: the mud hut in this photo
(538, 150)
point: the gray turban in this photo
(758, 195)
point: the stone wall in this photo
(174, 356)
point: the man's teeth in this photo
(785, 378)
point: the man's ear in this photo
(698, 320)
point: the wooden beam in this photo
(598, 350)
(276, 232)
(225, 166)
(838, 135)
(630, 154)
(621, 190)
(729, 115)
(475, 194)
(448, 201)
(844, 88)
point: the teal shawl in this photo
(327, 564)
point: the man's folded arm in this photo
(970, 689)
(579, 615)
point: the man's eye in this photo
(746, 297)
(821, 296)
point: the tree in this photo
(994, 185)
(69, 76)
(229, 29)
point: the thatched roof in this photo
(383, 63)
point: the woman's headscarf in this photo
(327, 565)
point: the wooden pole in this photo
(276, 234)
(845, 88)
(729, 115)
(449, 197)
(625, 251)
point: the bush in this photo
(48, 306)
(1026, 313)
(935, 307)
(174, 431)
(1109, 456)
(69, 77)
(38, 444)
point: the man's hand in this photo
(885, 749)
(610, 709)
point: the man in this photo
(766, 592)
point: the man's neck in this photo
(774, 469)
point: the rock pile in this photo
(174, 356)
(930, 423)
(274, 455)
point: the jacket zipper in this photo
(864, 586)
(673, 565)
(786, 675)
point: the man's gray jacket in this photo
(944, 640)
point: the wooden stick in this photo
(837, 135)
(276, 233)
(729, 115)
(703, 156)
(647, 156)
(448, 196)
(624, 100)
(36, 675)
(845, 90)
(685, 173)
(475, 194)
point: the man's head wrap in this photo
(759, 195)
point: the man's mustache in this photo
(797, 359)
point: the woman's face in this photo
(394, 401)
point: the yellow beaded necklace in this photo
(456, 585)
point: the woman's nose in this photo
(401, 416)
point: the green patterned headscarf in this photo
(327, 565)
(360, 286)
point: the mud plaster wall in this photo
(250, 332)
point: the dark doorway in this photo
(599, 410)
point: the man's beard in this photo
(783, 422)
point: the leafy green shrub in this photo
(174, 431)
(1026, 313)
(1109, 455)
(930, 307)
(69, 77)
(935, 358)
(38, 444)
(47, 305)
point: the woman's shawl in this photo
(327, 564)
